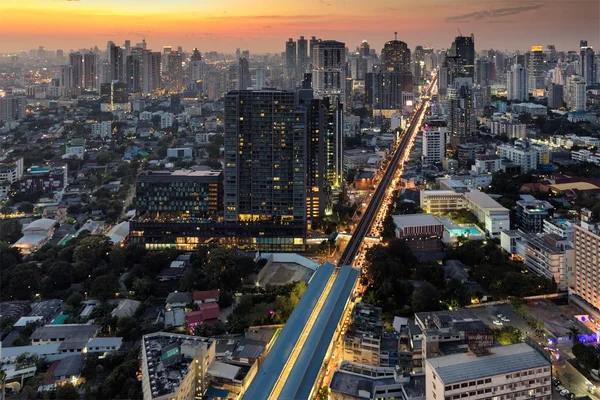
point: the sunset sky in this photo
(264, 25)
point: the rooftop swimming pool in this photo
(465, 231)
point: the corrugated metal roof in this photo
(306, 368)
(269, 372)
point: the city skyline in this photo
(211, 26)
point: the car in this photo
(496, 322)
(555, 381)
(505, 319)
(560, 388)
(500, 315)
(565, 393)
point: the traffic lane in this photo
(571, 379)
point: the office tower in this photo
(60, 54)
(151, 76)
(260, 77)
(165, 58)
(537, 68)
(243, 74)
(328, 68)
(196, 55)
(265, 161)
(238, 53)
(232, 77)
(558, 76)
(517, 81)
(586, 242)
(302, 55)
(90, 74)
(575, 95)
(482, 374)
(324, 141)
(174, 73)
(395, 55)
(65, 77)
(12, 108)
(290, 62)
(462, 121)
(500, 66)
(76, 63)
(555, 96)
(434, 145)
(588, 65)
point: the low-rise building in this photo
(531, 213)
(75, 149)
(44, 179)
(60, 333)
(519, 371)
(422, 232)
(11, 169)
(486, 164)
(349, 385)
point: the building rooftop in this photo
(484, 201)
(410, 220)
(65, 331)
(178, 175)
(168, 358)
(42, 223)
(502, 360)
(70, 366)
(366, 320)
(45, 309)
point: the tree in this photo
(507, 335)
(10, 231)
(25, 207)
(143, 286)
(67, 392)
(104, 287)
(90, 249)
(74, 300)
(425, 298)
(574, 334)
(587, 356)
(323, 393)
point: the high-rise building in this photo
(260, 78)
(291, 63)
(586, 242)
(588, 65)
(517, 81)
(462, 121)
(461, 56)
(531, 214)
(482, 72)
(324, 149)
(197, 69)
(265, 164)
(384, 89)
(174, 72)
(127, 48)
(311, 48)
(134, 70)
(90, 73)
(65, 76)
(434, 145)
(364, 50)
(116, 63)
(537, 67)
(575, 95)
(151, 76)
(12, 108)
(395, 56)
(555, 96)
(328, 68)
(76, 63)
(302, 56)
(244, 81)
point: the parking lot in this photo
(488, 315)
(556, 319)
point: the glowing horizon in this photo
(264, 25)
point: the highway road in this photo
(366, 222)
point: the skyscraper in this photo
(12, 108)
(588, 65)
(555, 95)
(575, 93)
(76, 63)
(537, 68)
(290, 62)
(462, 122)
(134, 70)
(364, 49)
(243, 74)
(265, 162)
(395, 55)
(65, 76)
(151, 76)
(302, 55)
(328, 68)
(324, 147)
(311, 48)
(384, 90)
(175, 72)
(517, 82)
(116, 63)
(90, 74)
(260, 77)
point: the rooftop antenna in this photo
(395, 35)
